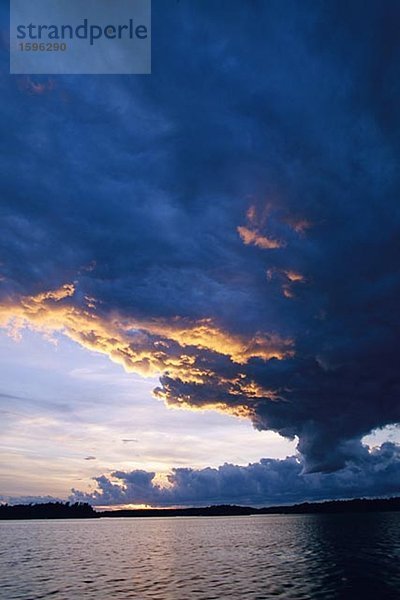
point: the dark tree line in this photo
(359, 505)
(80, 510)
(49, 510)
(333, 506)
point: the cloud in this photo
(289, 280)
(50, 311)
(29, 86)
(251, 234)
(270, 481)
(28, 499)
(133, 243)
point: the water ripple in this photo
(291, 557)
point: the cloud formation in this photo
(28, 499)
(238, 238)
(270, 481)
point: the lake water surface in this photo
(355, 557)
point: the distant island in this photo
(80, 510)
(48, 510)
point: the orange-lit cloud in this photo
(151, 347)
(251, 232)
(185, 402)
(293, 276)
(254, 238)
(205, 334)
(288, 279)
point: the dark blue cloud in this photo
(134, 188)
(268, 482)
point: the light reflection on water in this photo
(290, 557)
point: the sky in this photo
(199, 268)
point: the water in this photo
(297, 557)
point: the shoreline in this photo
(60, 510)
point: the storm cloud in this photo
(230, 223)
(373, 473)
